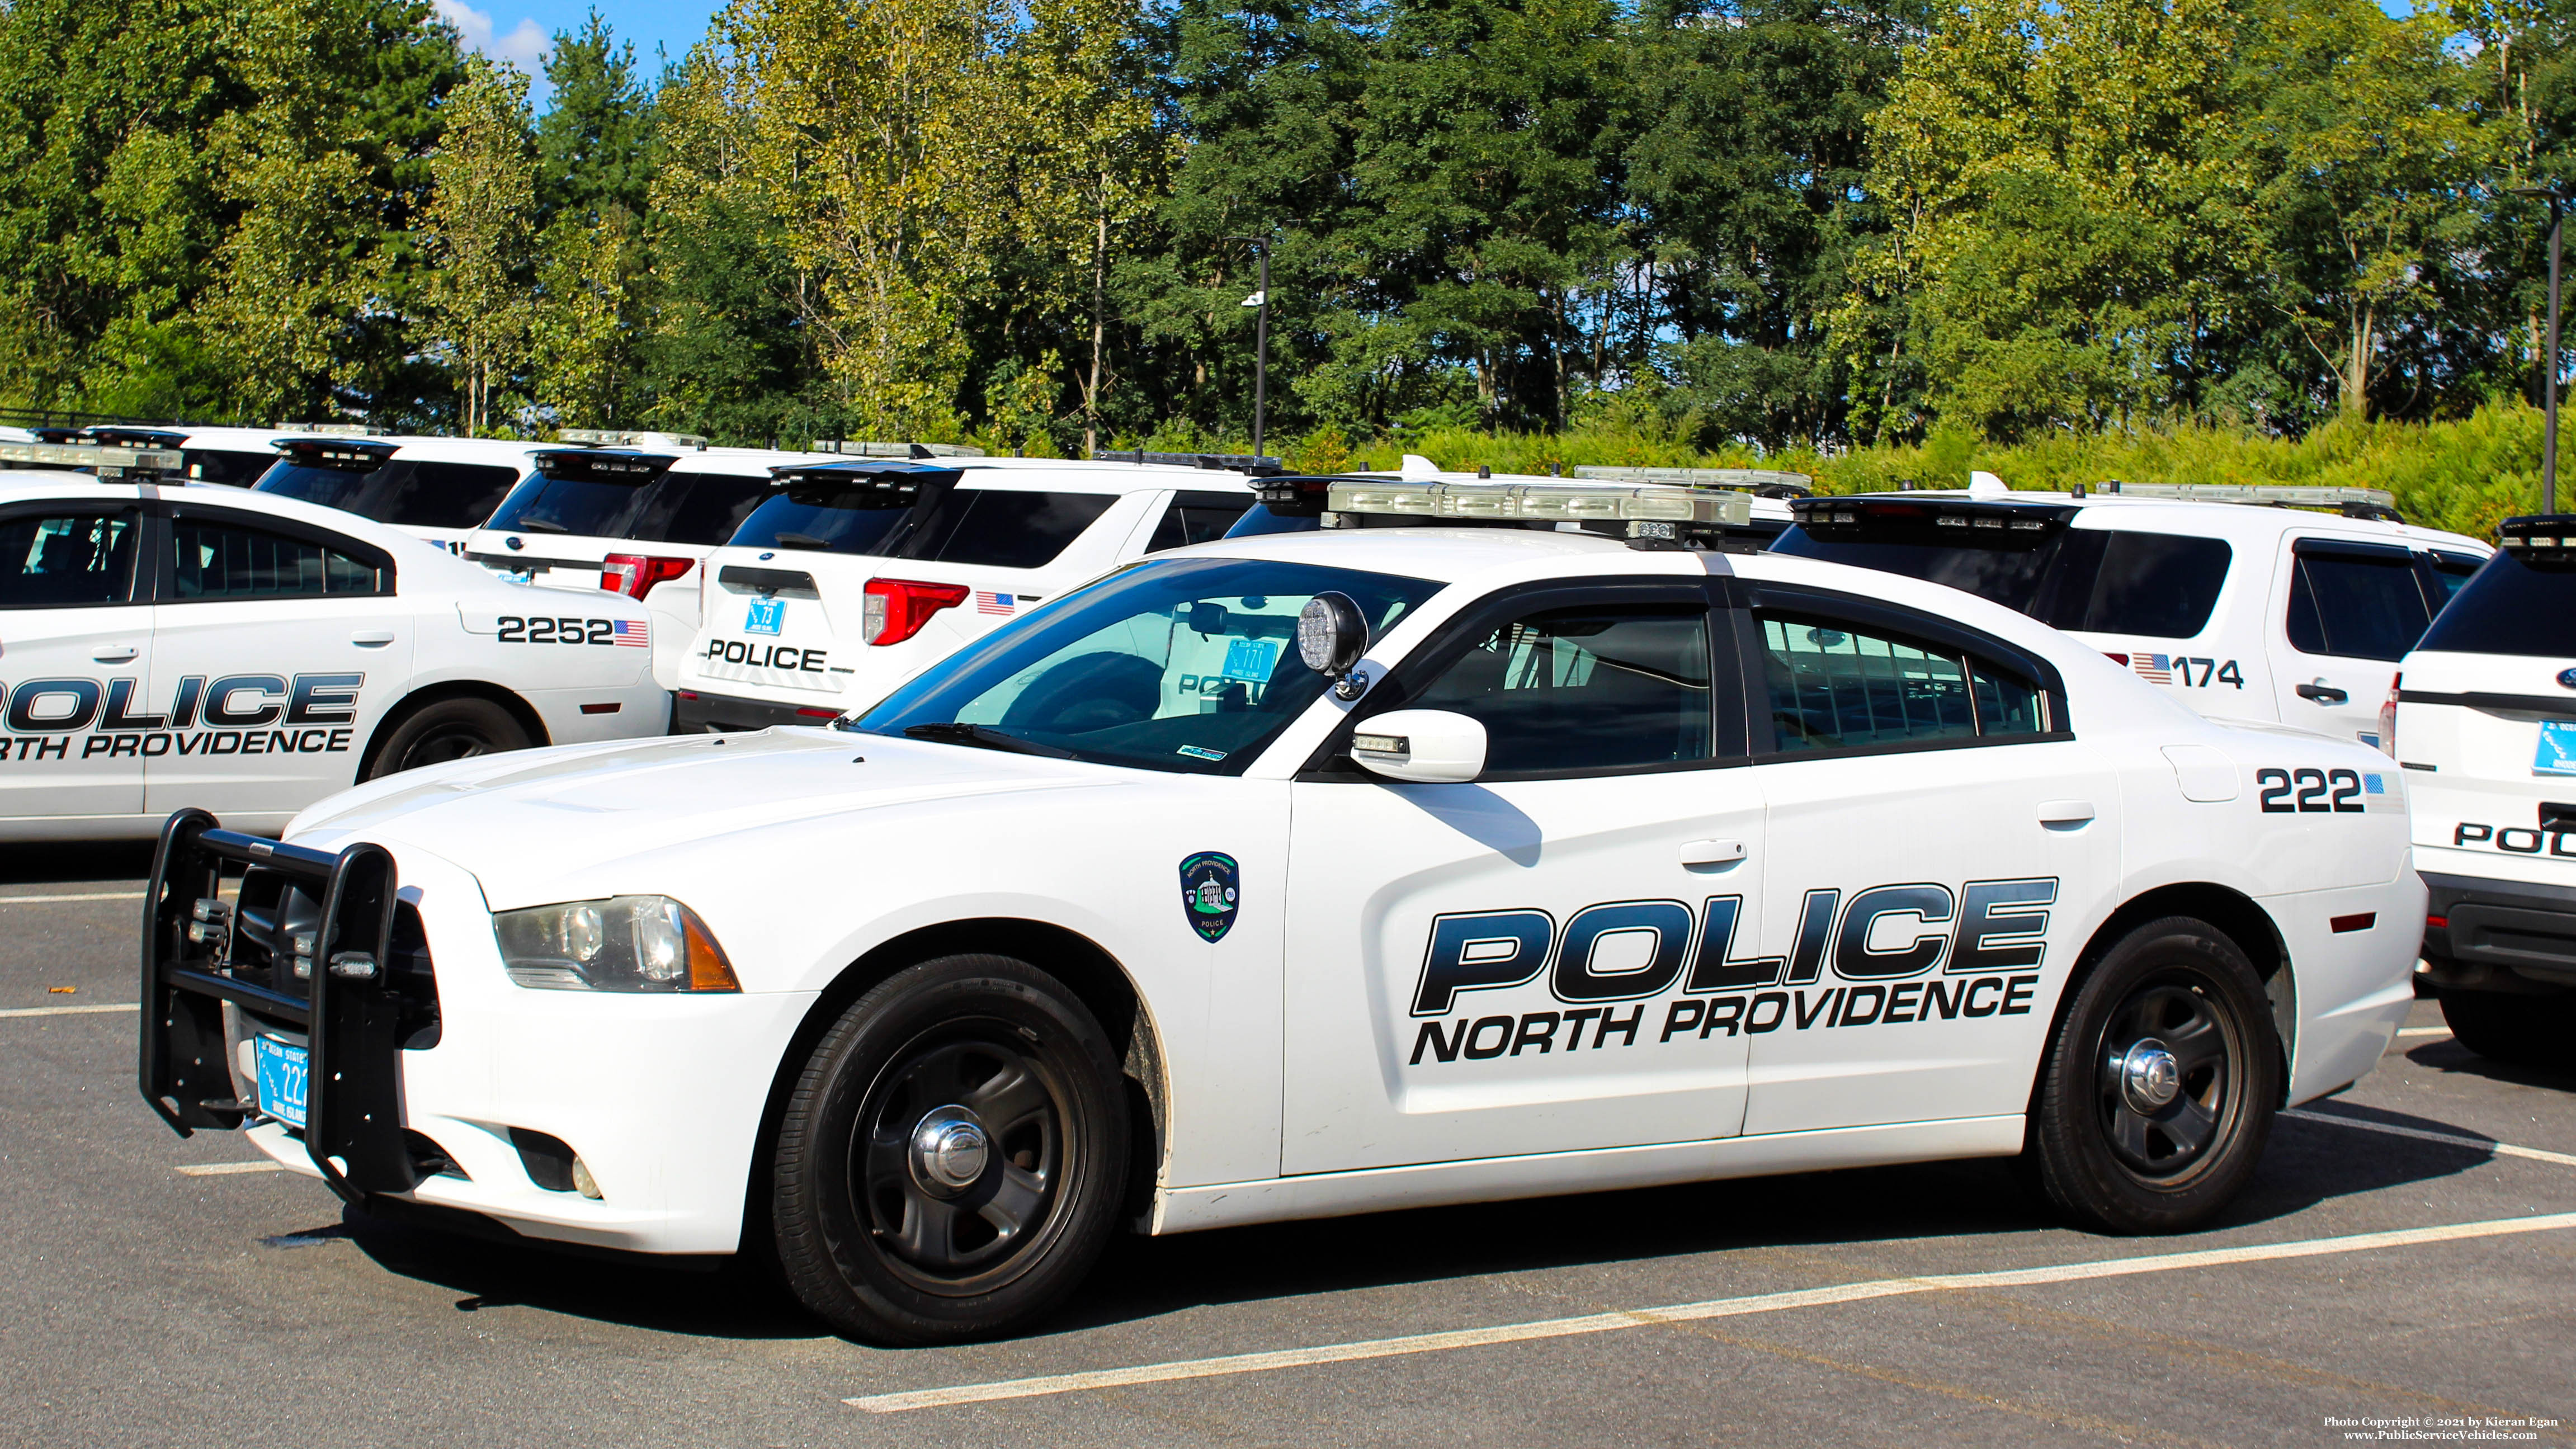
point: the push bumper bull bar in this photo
(348, 997)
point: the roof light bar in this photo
(1540, 502)
(854, 448)
(2290, 494)
(1760, 482)
(106, 460)
(2538, 531)
(618, 467)
(323, 430)
(611, 438)
(1263, 466)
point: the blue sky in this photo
(519, 31)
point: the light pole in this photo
(2549, 384)
(1260, 341)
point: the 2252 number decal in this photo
(2311, 791)
(516, 630)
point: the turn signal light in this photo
(895, 609)
(635, 574)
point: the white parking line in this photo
(68, 1010)
(2500, 1149)
(58, 900)
(2423, 1031)
(1246, 1363)
(227, 1169)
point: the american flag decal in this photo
(634, 633)
(2153, 668)
(989, 602)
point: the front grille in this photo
(273, 915)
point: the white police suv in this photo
(2242, 602)
(439, 489)
(631, 521)
(2482, 716)
(853, 576)
(1301, 875)
(169, 646)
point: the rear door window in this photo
(1832, 686)
(697, 508)
(1197, 518)
(415, 493)
(213, 560)
(2155, 584)
(2354, 600)
(999, 529)
(591, 507)
(222, 465)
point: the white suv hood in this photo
(519, 822)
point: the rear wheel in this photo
(448, 729)
(2160, 1085)
(949, 1165)
(2530, 1031)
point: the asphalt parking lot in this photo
(2406, 1262)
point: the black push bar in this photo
(353, 992)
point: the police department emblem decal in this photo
(1211, 888)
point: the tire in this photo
(2528, 1031)
(2102, 1150)
(448, 729)
(896, 1245)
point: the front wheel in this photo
(2157, 1097)
(950, 1163)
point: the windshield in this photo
(2010, 576)
(1187, 665)
(2511, 606)
(1003, 528)
(571, 505)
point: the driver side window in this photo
(1585, 690)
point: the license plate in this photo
(2556, 753)
(280, 1068)
(764, 616)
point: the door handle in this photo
(2065, 814)
(1712, 852)
(116, 655)
(2322, 693)
(372, 638)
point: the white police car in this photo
(1496, 862)
(853, 576)
(631, 519)
(439, 489)
(206, 646)
(2483, 717)
(2242, 602)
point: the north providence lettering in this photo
(1983, 961)
(234, 714)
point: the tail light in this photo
(895, 609)
(2388, 717)
(635, 574)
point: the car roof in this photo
(2197, 517)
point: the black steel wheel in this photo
(2526, 1030)
(2157, 1097)
(448, 729)
(950, 1161)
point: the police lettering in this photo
(2518, 839)
(235, 714)
(767, 656)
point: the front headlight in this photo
(624, 943)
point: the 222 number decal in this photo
(515, 630)
(2320, 792)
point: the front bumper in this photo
(2499, 935)
(697, 712)
(660, 1097)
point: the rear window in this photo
(406, 492)
(218, 465)
(2154, 584)
(587, 506)
(986, 526)
(699, 508)
(2354, 601)
(2511, 606)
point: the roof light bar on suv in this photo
(1760, 482)
(603, 467)
(107, 460)
(1263, 466)
(1954, 520)
(609, 438)
(1650, 516)
(852, 447)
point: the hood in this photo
(520, 821)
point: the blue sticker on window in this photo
(765, 615)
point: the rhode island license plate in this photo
(2556, 753)
(280, 1070)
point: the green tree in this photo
(595, 157)
(482, 233)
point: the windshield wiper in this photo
(537, 525)
(986, 736)
(801, 540)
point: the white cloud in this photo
(523, 45)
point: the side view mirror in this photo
(1332, 634)
(1426, 746)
